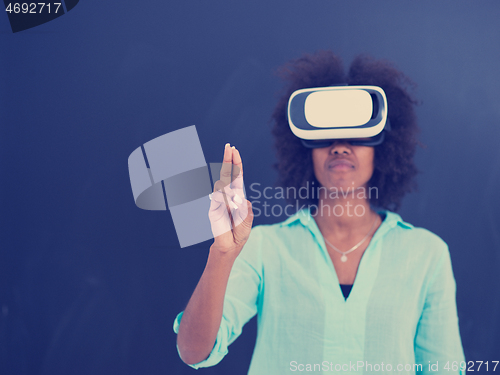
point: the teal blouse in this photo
(400, 316)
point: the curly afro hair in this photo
(394, 169)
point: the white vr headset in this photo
(318, 116)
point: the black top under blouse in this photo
(346, 289)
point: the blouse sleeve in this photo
(437, 339)
(240, 301)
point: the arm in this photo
(438, 338)
(231, 218)
(202, 317)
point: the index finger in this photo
(227, 165)
(237, 175)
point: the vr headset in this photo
(319, 116)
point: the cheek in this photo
(369, 161)
(318, 158)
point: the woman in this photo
(400, 315)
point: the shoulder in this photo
(275, 234)
(261, 238)
(294, 223)
(418, 243)
(419, 237)
(406, 231)
(284, 237)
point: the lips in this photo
(341, 164)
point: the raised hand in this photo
(230, 214)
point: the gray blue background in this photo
(89, 283)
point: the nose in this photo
(340, 147)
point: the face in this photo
(343, 166)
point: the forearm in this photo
(202, 316)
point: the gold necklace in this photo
(343, 258)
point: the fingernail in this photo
(232, 147)
(237, 199)
(227, 145)
(233, 205)
(210, 196)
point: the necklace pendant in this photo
(343, 258)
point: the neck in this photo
(344, 215)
